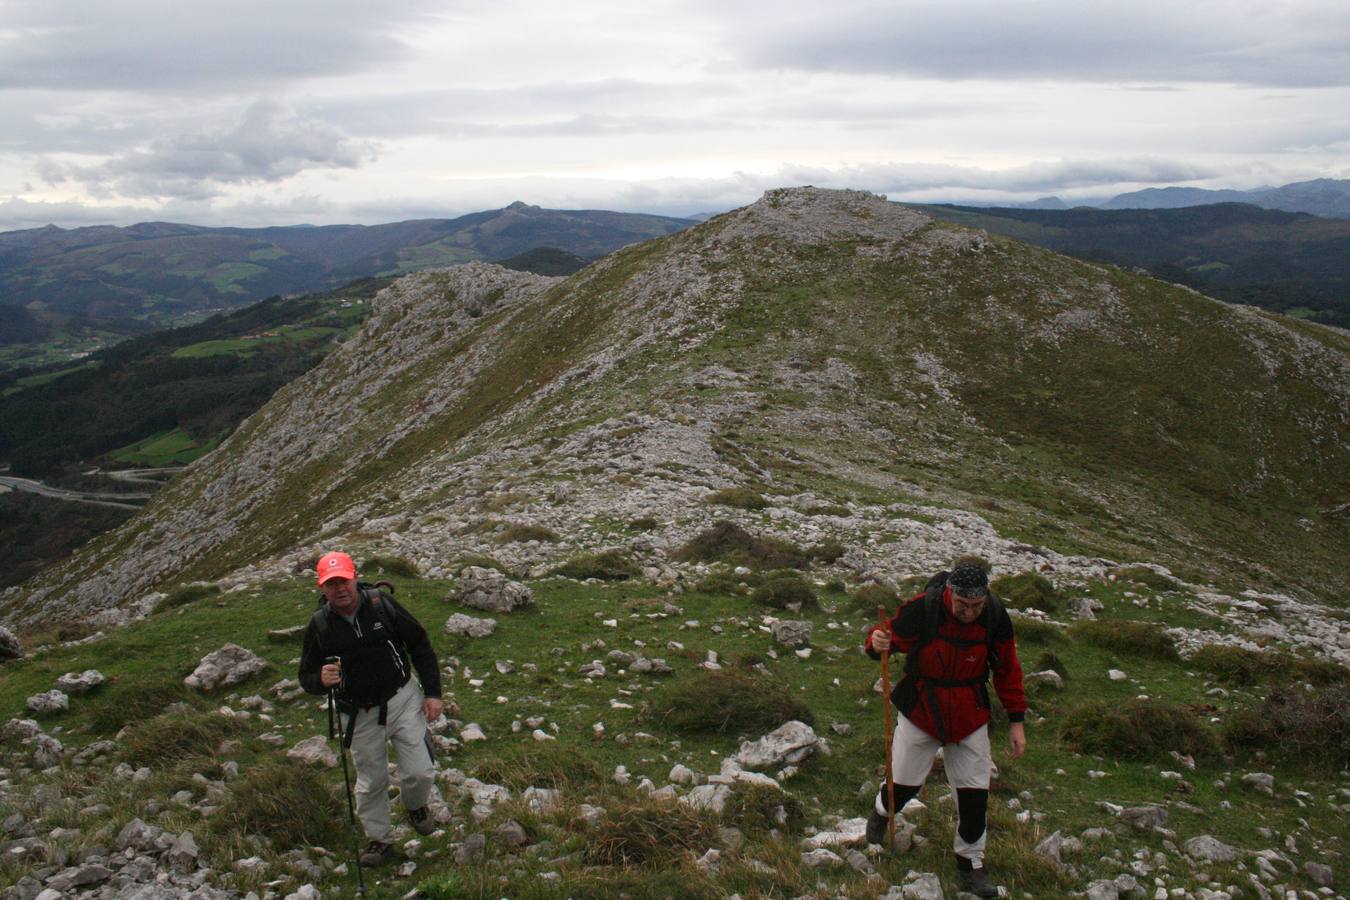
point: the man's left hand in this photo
(432, 708)
(1017, 739)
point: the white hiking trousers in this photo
(406, 728)
(968, 765)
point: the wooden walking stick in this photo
(886, 705)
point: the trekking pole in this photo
(886, 706)
(334, 733)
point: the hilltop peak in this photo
(810, 214)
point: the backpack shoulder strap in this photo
(932, 618)
(379, 603)
(993, 616)
(321, 623)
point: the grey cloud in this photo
(269, 143)
(1237, 41)
(162, 45)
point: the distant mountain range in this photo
(1292, 263)
(148, 276)
(1327, 197)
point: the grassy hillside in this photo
(1290, 263)
(1178, 735)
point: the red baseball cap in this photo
(335, 565)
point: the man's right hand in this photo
(881, 640)
(330, 675)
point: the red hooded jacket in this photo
(951, 713)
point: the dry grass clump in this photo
(1026, 590)
(760, 808)
(1035, 631)
(397, 566)
(639, 832)
(1236, 665)
(728, 542)
(739, 498)
(865, 600)
(517, 533)
(1134, 638)
(740, 700)
(1149, 578)
(119, 703)
(178, 737)
(1307, 727)
(285, 801)
(786, 590)
(608, 565)
(190, 593)
(543, 765)
(1136, 729)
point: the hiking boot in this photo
(877, 826)
(420, 819)
(977, 882)
(377, 853)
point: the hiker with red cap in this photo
(358, 645)
(955, 635)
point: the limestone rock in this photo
(1208, 848)
(1145, 816)
(469, 626)
(51, 701)
(922, 886)
(314, 750)
(1260, 781)
(848, 833)
(80, 682)
(814, 859)
(792, 632)
(230, 664)
(490, 590)
(788, 744)
(650, 666)
(712, 797)
(10, 648)
(136, 835)
(1049, 678)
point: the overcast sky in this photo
(263, 112)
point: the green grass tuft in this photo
(390, 565)
(1026, 590)
(638, 832)
(172, 737)
(1149, 578)
(1136, 730)
(1307, 728)
(739, 498)
(609, 565)
(728, 542)
(1135, 638)
(520, 534)
(740, 700)
(543, 765)
(784, 590)
(1236, 665)
(284, 801)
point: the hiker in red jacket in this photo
(954, 635)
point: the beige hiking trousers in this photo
(406, 728)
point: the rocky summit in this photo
(820, 365)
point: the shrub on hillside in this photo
(1035, 631)
(786, 590)
(287, 802)
(1310, 728)
(739, 498)
(1136, 729)
(867, 598)
(726, 581)
(396, 566)
(749, 701)
(189, 593)
(546, 765)
(728, 542)
(1149, 578)
(608, 565)
(1050, 662)
(1135, 638)
(643, 523)
(1026, 590)
(122, 702)
(1236, 665)
(170, 737)
(827, 551)
(760, 808)
(517, 533)
(972, 559)
(828, 509)
(638, 831)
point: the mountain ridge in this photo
(817, 347)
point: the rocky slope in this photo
(905, 386)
